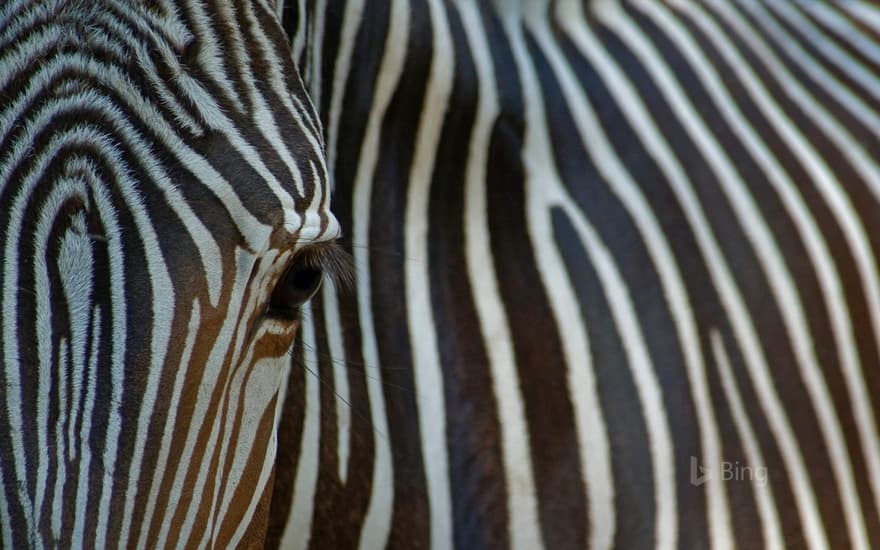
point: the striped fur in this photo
(599, 247)
(160, 166)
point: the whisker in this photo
(349, 364)
(392, 385)
(347, 402)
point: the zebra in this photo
(164, 214)
(617, 278)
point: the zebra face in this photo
(165, 214)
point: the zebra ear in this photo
(301, 281)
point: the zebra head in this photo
(164, 212)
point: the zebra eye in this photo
(299, 284)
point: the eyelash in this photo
(304, 276)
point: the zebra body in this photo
(161, 168)
(618, 244)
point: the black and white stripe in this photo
(161, 166)
(608, 239)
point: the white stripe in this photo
(522, 505)
(61, 468)
(595, 452)
(427, 372)
(299, 41)
(640, 363)
(299, 520)
(5, 516)
(340, 378)
(341, 70)
(763, 491)
(377, 523)
(317, 49)
(161, 467)
(76, 266)
(85, 451)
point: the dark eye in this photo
(298, 285)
